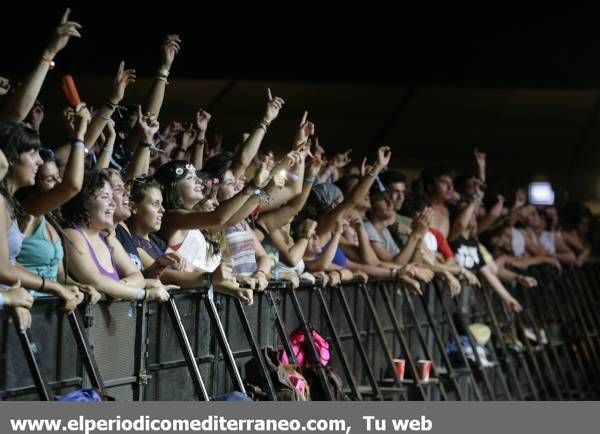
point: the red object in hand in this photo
(70, 91)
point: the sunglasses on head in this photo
(182, 171)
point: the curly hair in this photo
(76, 210)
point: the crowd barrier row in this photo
(196, 346)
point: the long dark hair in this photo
(15, 139)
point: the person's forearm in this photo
(506, 276)
(134, 279)
(438, 267)
(18, 104)
(408, 252)
(72, 181)
(371, 270)
(244, 211)
(263, 263)
(326, 257)
(495, 283)
(183, 279)
(140, 162)
(486, 222)
(197, 155)
(280, 216)
(247, 152)
(461, 222)
(106, 154)
(98, 124)
(367, 254)
(296, 252)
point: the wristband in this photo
(310, 179)
(78, 144)
(105, 117)
(47, 59)
(111, 105)
(109, 150)
(43, 284)
(140, 294)
(264, 125)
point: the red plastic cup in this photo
(400, 364)
(424, 369)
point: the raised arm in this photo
(140, 161)
(107, 150)
(461, 221)
(197, 152)
(249, 149)
(123, 78)
(38, 204)
(17, 106)
(356, 195)
(154, 99)
(480, 162)
(326, 257)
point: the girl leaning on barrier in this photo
(42, 248)
(20, 145)
(94, 258)
(147, 212)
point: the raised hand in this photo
(315, 166)
(201, 119)
(274, 105)
(262, 176)
(384, 155)
(308, 227)
(81, 121)
(169, 50)
(480, 158)
(36, 115)
(148, 124)
(364, 167)
(124, 78)
(305, 130)
(4, 86)
(342, 160)
(65, 30)
(188, 137)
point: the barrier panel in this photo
(197, 345)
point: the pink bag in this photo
(299, 347)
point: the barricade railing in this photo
(198, 344)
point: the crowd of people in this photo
(132, 209)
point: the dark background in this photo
(433, 83)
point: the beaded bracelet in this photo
(111, 105)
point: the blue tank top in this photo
(40, 255)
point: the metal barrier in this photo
(196, 346)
